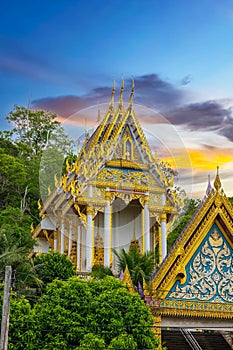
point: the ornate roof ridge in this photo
(209, 208)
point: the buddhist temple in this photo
(193, 288)
(116, 192)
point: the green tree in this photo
(12, 180)
(141, 266)
(53, 265)
(92, 341)
(78, 313)
(37, 129)
(123, 341)
(100, 271)
(22, 334)
(16, 245)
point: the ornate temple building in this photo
(118, 193)
(193, 287)
(115, 193)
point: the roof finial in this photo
(217, 182)
(131, 94)
(111, 104)
(120, 103)
(209, 188)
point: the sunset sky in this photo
(63, 56)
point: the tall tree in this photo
(38, 129)
(37, 146)
(16, 245)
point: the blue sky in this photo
(63, 56)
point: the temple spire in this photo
(131, 95)
(209, 187)
(217, 182)
(111, 104)
(120, 103)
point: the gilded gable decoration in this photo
(195, 279)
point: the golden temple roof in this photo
(208, 234)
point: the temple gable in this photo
(208, 272)
(194, 284)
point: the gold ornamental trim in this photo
(127, 186)
(192, 309)
(123, 163)
(91, 201)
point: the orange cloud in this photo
(201, 159)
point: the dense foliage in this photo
(53, 265)
(78, 314)
(21, 170)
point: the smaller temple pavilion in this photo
(114, 193)
(193, 287)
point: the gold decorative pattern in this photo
(82, 215)
(127, 280)
(98, 250)
(215, 209)
(186, 308)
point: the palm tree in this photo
(141, 266)
(16, 255)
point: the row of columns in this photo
(59, 241)
(108, 235)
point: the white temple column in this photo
(62, 236)
(78, 248)
(145, 225)
(70, 237)
(55, 241)
(89, 238)
(107, 234)
(146, 228)
(163, 222)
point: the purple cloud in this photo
(151, 91)
(207, 115)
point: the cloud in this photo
(156, 93)
(150, 90)
(186, 80)
(204, 116)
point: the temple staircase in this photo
(183, 339)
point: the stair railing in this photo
(190, 339)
